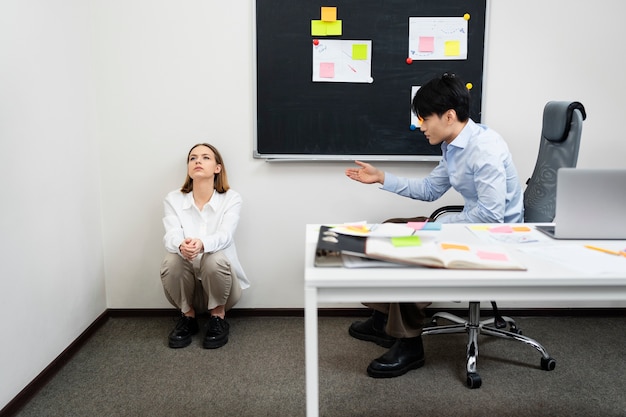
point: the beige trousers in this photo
(403, 319)
(203, 285)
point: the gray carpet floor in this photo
(126, 369)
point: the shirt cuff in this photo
(391, 182)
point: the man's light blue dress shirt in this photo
(477, 164)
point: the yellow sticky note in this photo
(400, 241)
(359, 51)
(452, 48)
(333, 28)
(454, 246)
(329, 14)
(479, 227)
(318, 28)
(521, 229)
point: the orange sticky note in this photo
(454, 246)
(360, 229)
(329, 14)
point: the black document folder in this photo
(331, 245)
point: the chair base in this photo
(473, 326)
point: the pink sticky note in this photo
(501, 229)
(327, 70)
(493, 256)
(426, 44)
(416, 225)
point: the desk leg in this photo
(311, 351)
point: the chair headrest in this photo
(557, 117)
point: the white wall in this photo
(52, 281)
(184, 75)
(101, 100)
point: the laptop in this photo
(590, 204)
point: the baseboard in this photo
(362, 311)
(44, 376)
(31, 389)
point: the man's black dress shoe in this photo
(217, 334)
(372, 330)
(181, 335)
(406, 354)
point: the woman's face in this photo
(201, 163)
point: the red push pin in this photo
(316, 42)
(409, 61)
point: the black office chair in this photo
(560, 141)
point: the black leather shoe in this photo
(181, 335)
(372, 330)
(217, 334)
(406, 354)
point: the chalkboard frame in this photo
(398, 143)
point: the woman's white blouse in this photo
(215, 225)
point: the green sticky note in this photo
(318, 28)
(406, 241)
(334, 28)
(359, 51)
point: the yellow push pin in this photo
(469, 86)
(466, 16)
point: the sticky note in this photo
(492, 256)
(424, 225)
(454, 246)
(416, 225)
(329, 14)
(479, 227)
(501, 229)
(406, 241)
(327, 70)
(333, 28)
(426, 44)
(452, 48)
(359, 51)
(318, 28)
(521, 229)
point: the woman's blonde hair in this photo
(220, 181)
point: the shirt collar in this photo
(463, 138)
(188, 200)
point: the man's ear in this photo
(451, 116)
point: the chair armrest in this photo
(442, 211)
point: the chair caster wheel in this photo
(515, 330)
(548, 364)
(473, 380)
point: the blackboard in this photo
(299, 119)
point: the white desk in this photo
(543, 280)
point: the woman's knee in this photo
(172, 265)
(215, 264)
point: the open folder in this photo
(413, 250)
(436, 254)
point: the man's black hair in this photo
(439, 95)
